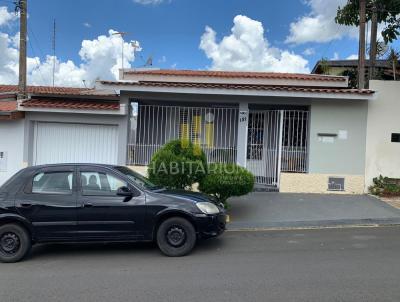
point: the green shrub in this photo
(384, 186)
(227, 180)
(178, 165)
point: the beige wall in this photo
(139, 169)
(318, 183)
(383, 156)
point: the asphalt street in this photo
(361, 264)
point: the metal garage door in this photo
(75, 143)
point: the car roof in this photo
(71, 164)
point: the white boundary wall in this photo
(383, 156)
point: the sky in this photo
(251, 35)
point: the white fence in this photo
(277, 139)
(213, 129)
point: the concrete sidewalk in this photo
(280, 210)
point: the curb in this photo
(313, 228)
(316, 225)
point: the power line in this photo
(37, 61)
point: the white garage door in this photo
(75, 143)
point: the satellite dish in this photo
(149, 62)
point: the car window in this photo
(52, 183)
(96, 183)
(138, 179)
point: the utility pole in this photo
(361, 48)
(21, 6)
(373, 46)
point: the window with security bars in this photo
(295, 141)
(213, 129)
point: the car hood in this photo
(192, 196)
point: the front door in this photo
(102, 213)
(263, 146)
(49, 202)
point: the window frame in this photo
(395, 137)
(99, 171)
(29, 186)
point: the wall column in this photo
(243, 122)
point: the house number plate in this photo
(243, 116)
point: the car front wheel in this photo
(176, 237)
(15, 243)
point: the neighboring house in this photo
(383, 68)
(294, 132)
(60, 125)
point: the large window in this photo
(53, 183)
(96, 183)
(214, 129)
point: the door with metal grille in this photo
(263, 146)
(277, 142)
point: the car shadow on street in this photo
(43, 251)
(94, 250)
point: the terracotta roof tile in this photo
(244, 87)
(8, 106)
(55, 90)
(44, 89)
(71, 104)
(236, 74)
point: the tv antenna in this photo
(122, 34)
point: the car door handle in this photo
(26, 205)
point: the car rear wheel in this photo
(176, 237)
(15, 243)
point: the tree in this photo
(324, 66)
(393, 59)
(378, 11)
(226, 180)
(178, 165)
(352, 74)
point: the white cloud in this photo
(150, 2)
(87, 24)
(319, 25)
(6, 16)
(246, 48)
(352, 57)
(309, 52)
(101, 58)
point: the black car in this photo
(91, 202)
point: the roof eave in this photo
(240, 92)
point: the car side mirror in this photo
(124, 192)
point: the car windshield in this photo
(138, 179)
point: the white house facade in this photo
(294, 132)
